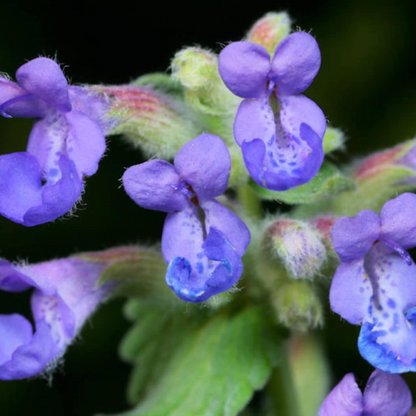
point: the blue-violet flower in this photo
(65, 295)
(279, 130)
(67, 141)
(202, 241)
(384, 395)
(375, 285)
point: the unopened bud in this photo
(270, 30)
(197, 70)
(156, 122)
(298, 245)
(297, 305)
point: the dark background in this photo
(366, 86)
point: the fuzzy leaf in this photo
(327, 182)
(185, 367)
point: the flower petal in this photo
(205, 164)
(282, 163)
(15, 330)
(156, 185)
(11, 280)
(351, 292)
(224, 220)
(85, 143)
(295, 63)
(344, 400)
(254, 120)
(216, 271)
(183, 235)
(398, 221)
(243, 67)
(353, 237)
(298, 109)
(47, 143)
(20, 185)
(386, 395)
(388, 339)
(57, 199)
(16, 102)
(30, 356)
(44, 78)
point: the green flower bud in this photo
(298, 246)
(158, 123)
(297, 305)
(197, 70)
(270, 30)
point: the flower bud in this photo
(156, 122)
(297, 305)
(298, 245)
(197, 70)
(270, 30)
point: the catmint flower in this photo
(279, 130)
(202, 241)
(384, 395)
(65, 295)
(67, 142)
(375, 285)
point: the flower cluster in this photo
(65, 295)
(279, 130)
(202, 241)
(375, 285)
(384, 395)
(66, 143)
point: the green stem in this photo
(249, 200)
(281, 389)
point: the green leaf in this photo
(327, 182)
(188, 367)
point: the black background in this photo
(366, 86)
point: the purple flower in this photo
(279, 130)
(67, 141)
(202, 241)
(384, 395)
(375, 285)
(65, 295)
